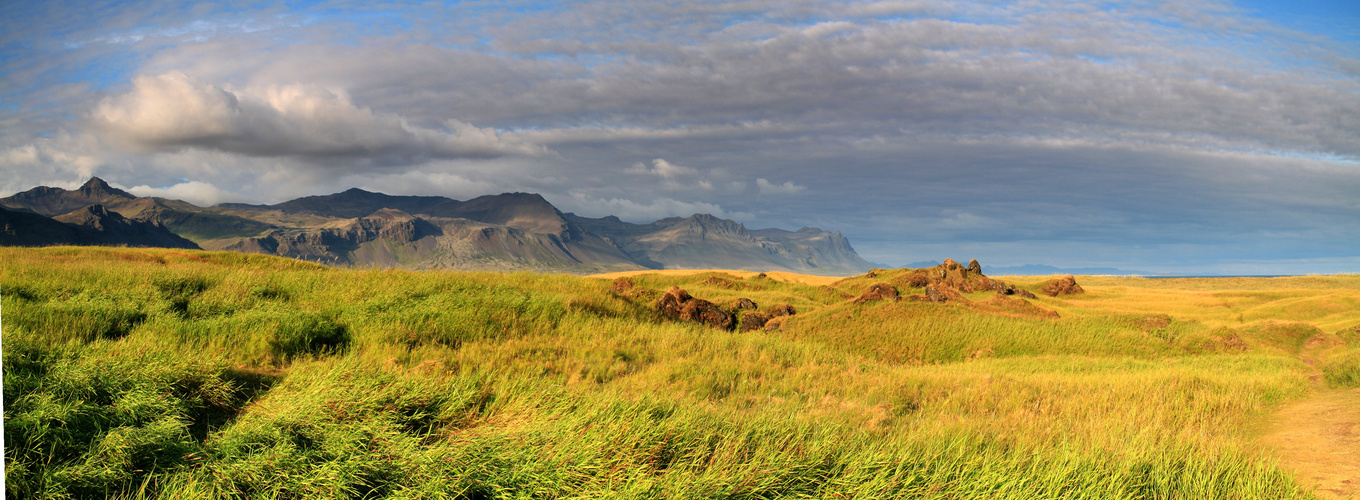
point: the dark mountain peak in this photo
(526, 211)
(356, 192)
(709, 221)
(96, 188)
(91, 216)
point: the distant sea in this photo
(1175, 276)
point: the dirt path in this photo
(1319, 439)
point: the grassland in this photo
(183, 374)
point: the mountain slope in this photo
(91, 225)
(703, 241)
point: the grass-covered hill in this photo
(188, 374)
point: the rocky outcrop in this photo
(1066, 285)
(878, 291)
(781, 310)
(678, 304)
(943, 293)
(744, 303)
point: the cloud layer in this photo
(1151, 135)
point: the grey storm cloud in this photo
(1020, 131)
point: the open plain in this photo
(164, 373)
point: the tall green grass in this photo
(237, 376)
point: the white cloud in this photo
(174, 111)
(196, 192)
(788, 187)
(673, 177)
(661, 168)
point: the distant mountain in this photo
(52, 201)
(90, 225)
(704, 241)
(507, 231)
(1043, 270)
(189, 221)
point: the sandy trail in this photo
(1319, 439)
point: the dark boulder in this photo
(745, 303)
(782, 310)
(878, 291)
(754, 320)
(1063, 286)
(974, 267)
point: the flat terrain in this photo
(1319, 439)
(189, 374)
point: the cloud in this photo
(174, 111)
(788, 187)
(196, 192)
(674, 177)
(663, 169)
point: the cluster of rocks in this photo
(943, 283)
(676, 303)
(679, 305)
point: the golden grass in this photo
(447, 384)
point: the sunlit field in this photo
(183, 374)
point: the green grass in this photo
(176, 374)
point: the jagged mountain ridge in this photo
(508, 231)
(703, 241)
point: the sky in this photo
(1193, 137)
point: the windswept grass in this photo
(176, 374)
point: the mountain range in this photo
(510, 231)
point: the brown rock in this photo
(974, 267)
(670, 303)
(918, 279)
(782, 310)
(776, 323)
(744, 303)
(1062, 286)
(707, 313)
(878, 291)
(753, 320)
(678, 304)
(622, 285)
(941, 294)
